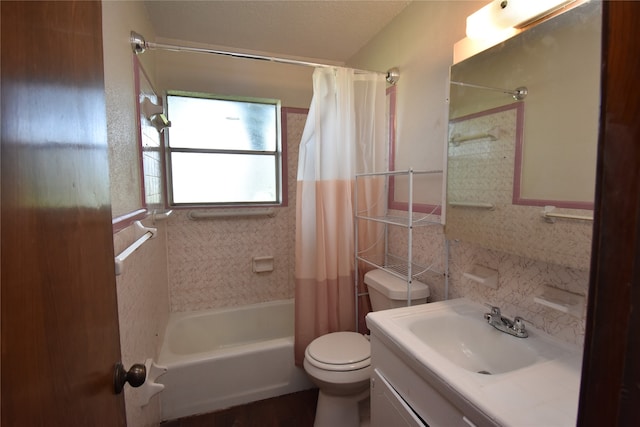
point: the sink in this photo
(457, 360)
(473, 344)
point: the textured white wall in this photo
(419, 41)
(223, 75)
(118, 19)
(143, 302)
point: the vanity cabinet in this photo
(451, 368)
(384, 237)
(388, 408)
(400, 396)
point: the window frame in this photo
(279, 154)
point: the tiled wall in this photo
(481, 170)
(151, 141)
(527, 252)
(428, 251)
(519, 280)
(143, 311)
(542, 254)
(210, 261)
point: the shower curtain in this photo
(345, 134)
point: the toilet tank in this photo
(388, 291)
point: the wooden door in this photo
(610, 389)
(59, 316)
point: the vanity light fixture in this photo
(502, 16)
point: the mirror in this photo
(509, 159)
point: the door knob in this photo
(134, 376)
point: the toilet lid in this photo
(340, 351)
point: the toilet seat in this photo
(339, 351)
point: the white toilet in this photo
(339, 363)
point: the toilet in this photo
(339, 363)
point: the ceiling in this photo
(332, 30)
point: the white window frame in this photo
(278, 154)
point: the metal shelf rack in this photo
(378, 212)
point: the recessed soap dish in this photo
(262, 264)
(561, 300)
(483, 275)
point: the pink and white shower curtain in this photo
(345, 134)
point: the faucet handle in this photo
(518, 324)
(494, 310)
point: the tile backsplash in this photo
(519, 281)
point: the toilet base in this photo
(338, 411)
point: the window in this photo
(223, 151)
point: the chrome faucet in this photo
(513, 327)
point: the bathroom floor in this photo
(291, 410)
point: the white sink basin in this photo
(513, 381)
(473, 344)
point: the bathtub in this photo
(226, 357)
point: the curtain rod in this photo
(140, 45)
(518, 93)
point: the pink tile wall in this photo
(482, 171)
(210, 261)
(519, 279)
(428, 251)
(150, 141)
(527, 252)
(143, 311)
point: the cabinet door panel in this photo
(388, 408)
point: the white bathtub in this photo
(226, 357)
